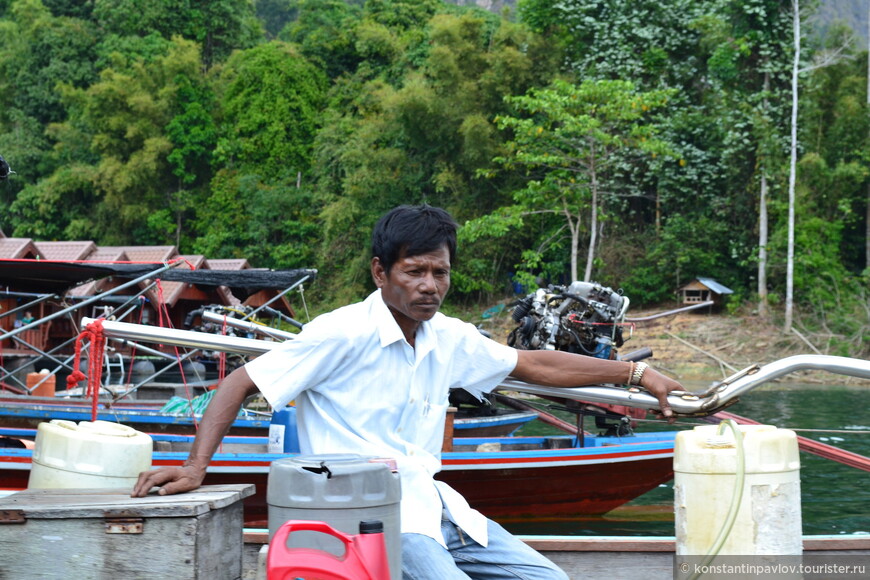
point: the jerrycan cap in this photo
(371, 527)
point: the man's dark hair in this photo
(411, 230)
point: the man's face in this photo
(415, 286)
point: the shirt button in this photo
(411, 401)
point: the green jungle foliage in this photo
(623, 140)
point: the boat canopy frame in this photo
(60, 276)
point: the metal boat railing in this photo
(712, 399)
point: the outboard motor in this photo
(583, 318)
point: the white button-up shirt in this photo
(359, 387)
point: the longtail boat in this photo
(507, 477)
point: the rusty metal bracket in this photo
(12, 517)
(125, 525)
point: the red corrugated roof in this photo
(228, 264)
(17, 248)
(146, 253)
(88, 251)
(100, 254)
(65, 251)
(108, 254)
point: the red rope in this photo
(133, 349)
(163, 310)
(94, 333)
(222, 357)
(2, 365)
(161, 306)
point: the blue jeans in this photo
(506, 557)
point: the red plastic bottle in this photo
(365, 554)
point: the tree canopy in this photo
(639, 144)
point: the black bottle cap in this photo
(371, 527)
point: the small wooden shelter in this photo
(704, 289)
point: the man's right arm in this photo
(219, 416)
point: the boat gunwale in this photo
(256, 461)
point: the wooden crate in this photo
(106, 534)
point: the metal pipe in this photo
(712, 399)
(12, 293)
(279, 295)
(284, 317)
(60, 313)
(156, 374)
(29, 305)
(61, 364)
(41, 352)
(145, 349)
(134, 301)
(247, 325)
(671, 312)
(65, 363)
(682, 403)
(840, 365)
(185, 338)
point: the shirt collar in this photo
(389, 331)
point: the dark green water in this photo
(835, 498)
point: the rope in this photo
(133, 349)
(3, 385)
(161, 311)
(95, 335)
(222, 357)
(840, 431)
(304, 305)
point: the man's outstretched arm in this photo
(553, 368)
(219, 416)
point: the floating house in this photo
(47, 288)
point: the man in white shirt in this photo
(373, 378)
